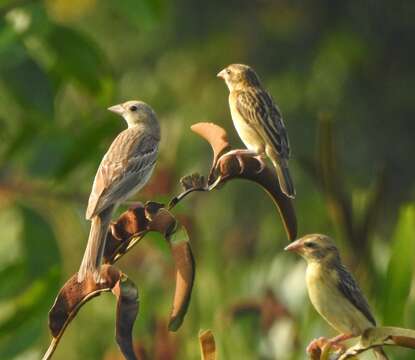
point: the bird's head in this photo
(239, 76)
(315, 248)
(135, 112)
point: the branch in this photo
(381, 336)
(371, 338)
(228, 167)
(129, 229)
(74, 295)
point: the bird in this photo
(333, 291)
(258, 122)
(124, 170)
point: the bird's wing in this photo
(259, 110)
(125, 167)
(349, 288)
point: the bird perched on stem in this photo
(258, 122)
(124, 170)
(333, 291)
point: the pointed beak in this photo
(118, 109)
(294, 246)
(221, 74)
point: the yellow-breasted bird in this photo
(258, 121)
(124, 170)
(333, 291)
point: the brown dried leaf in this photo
(131, 226)
(216, 137)
(207, 345)
(185, 274)
(127, 310)
(227, 167)
(193, 181)
(131, 223)
(71, 298)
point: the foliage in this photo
(63, 62)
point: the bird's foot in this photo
(316, 345)
(260, 158)
(238, 154)
(114, 232)
(323, 342)
(335, 342)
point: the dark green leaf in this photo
(22, 328)
(30, 86)
(12, 278)
(142, 13)
(400, 269)
(77, 58)
(39, 244)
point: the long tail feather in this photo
(285, 181)
(283, 173)
(94, 251)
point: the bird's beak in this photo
(294, 246)
(221, 74)
(118, 109)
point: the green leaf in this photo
(47, 153)
(39, 244)
(400, 268)
(11, 50)
(30, 86)
(20, 339)
(85, 146)
(77, 58)
(17, 332)
(144, 14)
(12, 278)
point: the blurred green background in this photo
(343, 74)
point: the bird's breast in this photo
(246, 132)
(331, 304)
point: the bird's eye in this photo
(310, 245)
(228, 71)
(133, 108)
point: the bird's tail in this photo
(284, 177)
(380, 353)
(94, 251)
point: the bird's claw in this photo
(322, 342)
(114, 232)
(316, 344)
(262, 163)
(238, 154)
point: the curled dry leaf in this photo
(228, 167)
(185, 274)
(127, 231)
(154, 217)
(371, 338)
(127, 310)
(207, 345)
(381, 336)
(71, 298)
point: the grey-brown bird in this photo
(333, 291)
(258, 121)
(124, 170)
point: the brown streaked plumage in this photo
(258, 121)
(333, 291)
(124, 170)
